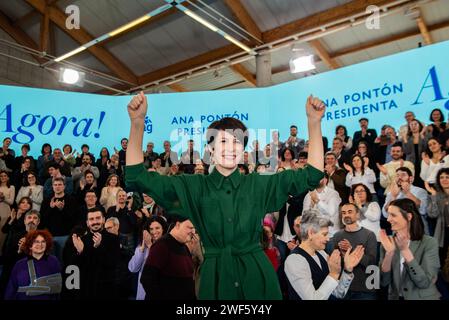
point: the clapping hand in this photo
(429, 189)
(97, 239)
(387, 242)
(78, 243)
(352, 259)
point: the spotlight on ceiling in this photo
(71, 77)
(302, 64)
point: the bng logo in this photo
(148, 128)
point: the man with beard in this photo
(350, 237)
(293, 142)
(388, 170)
(86, 165)
(97, 254)
(403, 187)
(12, 251)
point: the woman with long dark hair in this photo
(154, 228)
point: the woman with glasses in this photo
(370, 211)
(33, 190)
(37, 276)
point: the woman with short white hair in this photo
(311, 273)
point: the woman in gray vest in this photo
(311, 273)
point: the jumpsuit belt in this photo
(227, 279)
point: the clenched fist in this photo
(315, 108)
(137, 107)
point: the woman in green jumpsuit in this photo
(226, 207)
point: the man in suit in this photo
(365, 134)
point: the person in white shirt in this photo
(388, 171)
(433, 160)
(403, 188)
(311, 273)
(370, 210)
(326, 200)
(358, 172)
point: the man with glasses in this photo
(149, 155)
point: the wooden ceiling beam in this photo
(423, 28)
(245, 73)
(19, 35)
(246, 21)
(188, 64)
(45, 31)
(58, 17)
(324, 55)
(389, 39)
(319, 19)
(177, 87)
(244, 18)
(32, 14)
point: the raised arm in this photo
(137, 110)
(315, 110)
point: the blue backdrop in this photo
(381, 90)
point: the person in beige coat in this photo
(108, 196)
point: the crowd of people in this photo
(383, 203)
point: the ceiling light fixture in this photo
(210, 26)
(302, 64)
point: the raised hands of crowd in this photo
(430, 189)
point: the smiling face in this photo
(414, 126)
(396, 153)
(436, 116)
(357, 163)
(4, 178)
(113, 181)
(39, 245)
(444, 181)
(95, 221)
(228, 151)
(434, 146)
(24, 205)
(155, 230)
(397, 220)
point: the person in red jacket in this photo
(268, 239)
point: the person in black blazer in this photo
(365, 134)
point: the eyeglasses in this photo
(360, 191)
(39, 242)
